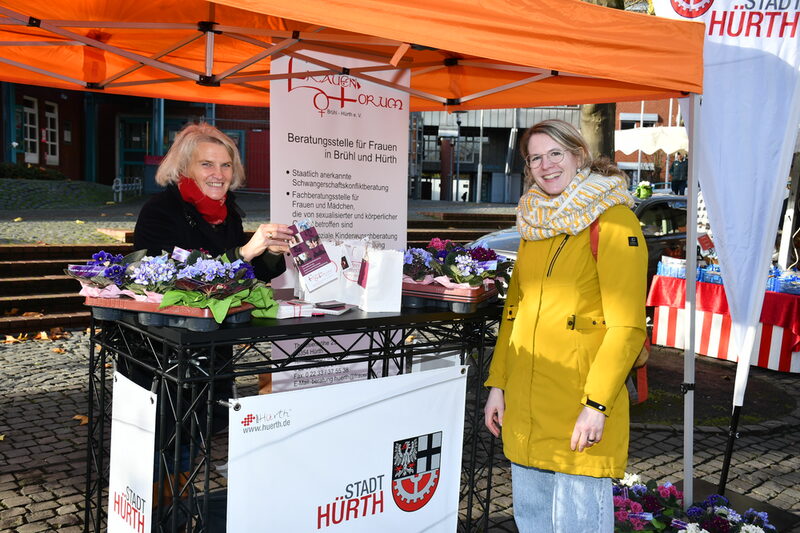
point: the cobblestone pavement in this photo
(42, 451)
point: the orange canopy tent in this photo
(462, 54)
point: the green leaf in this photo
(219, 308)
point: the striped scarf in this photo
(586, 197)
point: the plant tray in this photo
(175, 316)
(457, 300)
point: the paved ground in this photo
(42, 451)
(43, 383)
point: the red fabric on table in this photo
(779, 309)
(671, 292)
(783, 310)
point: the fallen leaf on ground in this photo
(83, 418)
(32, 314)
(103, 215)
(109, 365)
(58, 333)
(41, 336)
(18, 219)
(10, 339)
(110, 203)
(58, 350)
(11, 312)
(128, 214)
(80, 222)
(2, 437)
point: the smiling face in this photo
(551, 177)
(212, 169)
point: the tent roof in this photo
(464, 54)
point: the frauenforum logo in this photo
(329, 89)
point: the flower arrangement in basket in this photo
(659, 507)
(184, 278)
(452, 265)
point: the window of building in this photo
(30, 129)
(628, 121)
(50, 140)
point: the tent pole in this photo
(689, 312)
(733, 434)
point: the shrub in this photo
(29, 172)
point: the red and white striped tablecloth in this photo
(776, 344)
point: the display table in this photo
(190, 365)
(777, 336)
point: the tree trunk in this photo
(598, 121)
(597, 126)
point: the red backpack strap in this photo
(594, 237)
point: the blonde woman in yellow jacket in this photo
(572, 327)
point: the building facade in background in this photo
(460, 156)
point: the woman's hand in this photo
(268, 237)
(494, 410)
(588, 429)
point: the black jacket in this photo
(166, 221)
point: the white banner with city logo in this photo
(130, 479)
(356, 457)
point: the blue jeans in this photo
(552, 502)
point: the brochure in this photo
(309, 255)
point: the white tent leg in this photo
(691, 290)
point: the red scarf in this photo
(213, 211)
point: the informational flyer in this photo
(339, 146)
(309, 256)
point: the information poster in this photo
(358, 457)
(133, 435)
(331, 375)
(339, 151)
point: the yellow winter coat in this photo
(571, 330)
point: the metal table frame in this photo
(185, 377)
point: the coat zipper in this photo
(555, 256)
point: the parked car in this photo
(663, 221)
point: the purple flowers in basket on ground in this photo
(654, 507)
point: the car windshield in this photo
(504, 241)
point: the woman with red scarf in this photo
(197, 211)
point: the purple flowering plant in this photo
(417, 263)
(645, 506)
(104, 269)
(467, 265)
(215, 283)
(659, 507)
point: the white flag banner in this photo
(133, 437)
(357, 457)
(747, 126)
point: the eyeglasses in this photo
(554, 156)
